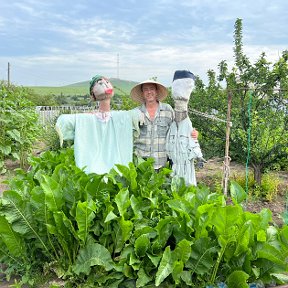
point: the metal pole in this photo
(8, 72)
(227, 159)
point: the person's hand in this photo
(194, 134)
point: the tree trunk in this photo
(257, 168)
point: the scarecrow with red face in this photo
(102, 138)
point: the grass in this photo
(122, 87)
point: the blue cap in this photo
(180, 74)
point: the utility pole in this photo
(117, 65)
(227, 159)
(8, 73)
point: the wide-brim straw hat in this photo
(137, 95)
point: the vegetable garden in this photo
(133, 227)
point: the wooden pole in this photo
(227, 159)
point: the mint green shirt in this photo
(99, 145)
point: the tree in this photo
(259, 108)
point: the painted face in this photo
(103, 89)
(182, 88)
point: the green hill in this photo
(122, 87)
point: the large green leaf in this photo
(122, 200)
(164, 228)
(238, 279)
(225, 220)
(6, 150)
(165, 267)
(93, 254)
(136, 207)
(124, 233)
(141, 245)
(18, 213)
(13, 241)
(183, 250)
(203, 256)
(85, 213)
(15, 135)
(272, 254)
(143, 278)
(53, 192)
(244, 237)
(238, 194)
(65, 235)
(129, 173)
(181, 206)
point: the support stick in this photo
(227, 159)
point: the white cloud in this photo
(61, 42)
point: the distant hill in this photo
(122, 87)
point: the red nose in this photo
(109, 91)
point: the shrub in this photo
(268, 189)
(19, 127)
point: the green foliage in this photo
(41, 100)
(270, 186)
(268, 190)
(262, 121)
(132, 227)
(18, 124)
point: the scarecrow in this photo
(182, 149)
(102, 138)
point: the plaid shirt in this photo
(152, 139)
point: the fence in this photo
(48, 114)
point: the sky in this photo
(57, 43)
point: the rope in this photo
(208, 116)
(248, 140)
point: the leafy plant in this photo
(132, 226)
(268, 189)
(18, 125)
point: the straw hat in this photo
(136, 92)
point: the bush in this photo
(268, 189)
(19, 127)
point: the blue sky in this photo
(55, 43)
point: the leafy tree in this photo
(259, 109)
(213, 101)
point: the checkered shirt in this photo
(152, 139)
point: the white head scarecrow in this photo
(182, 86)
(182, 149)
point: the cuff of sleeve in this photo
(60, 135)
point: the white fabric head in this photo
(182, 88)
